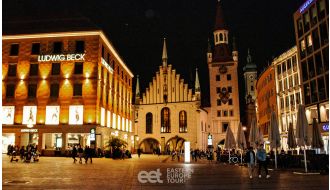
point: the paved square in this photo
(104, 173)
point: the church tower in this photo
(250, 78)
(224, 92)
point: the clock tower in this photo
(224, 92)
(250, 78)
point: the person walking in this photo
(139, 152)
(250, 160)
(80, 153)
(261, 155)
(91, 153)
(74, 154)
(86, 152)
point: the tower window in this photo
(77, 89)
(224, 127)
(218, 90)
(54, 90)
(231, 113)
(252, 88)
(56, 68)
(221, 37)
(219, 113)
(225, 113)
(230, 102)
(12, 68)
(32, 90)
(78, 68)
(218, 102)
(229, 77)
(149, 123)
(229, 89)
(80, 46)
(217, 77)
(34, 69)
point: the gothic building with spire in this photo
(222, 63)
(168, 112)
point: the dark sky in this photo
(136, 28)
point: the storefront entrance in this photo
(7, 139)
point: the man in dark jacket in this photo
(80, 152)
(74, 154)
(250, 159)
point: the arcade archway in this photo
(175, 143)
(149, 145)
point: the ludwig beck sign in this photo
(61, 57)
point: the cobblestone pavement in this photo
(104, 173)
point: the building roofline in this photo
(71, 34)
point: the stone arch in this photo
(149, 145)
(175, 143)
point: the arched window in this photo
(149, 123)
(221, 37)
(216, 38)
(165, 121)
(225, 37)
(182, 121)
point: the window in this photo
(290, 81)
(77, 89)
(279, 71)
(10, 91)
(307, 93)
(230, 102)
(296, 79)
(54, 90)
(325, 57)
(32, 90)
(217, 77)
(80, 46)
(12, 68)
(14, 49)
(287, 102)
(316, 39)
(313, 15)
(306, 21)
(318, 64)
(56, 68)
(78, 68)
(229, 77)
(218, 102)
(224, 127)
(102, 51)
(311, 68)
(219, 113)
(229, 89)
(57, 47)
(300, 27)
(225, 113)
(289, 64)
(182, 121)
(309, 43)
(304, 70)
(108, 58)
(34, 69)
(323, 33)
(218, 90)
(321, 9)
(252, 88)
(294, 61)
(282, 103)
(221, 37)
(313, 91)
(165, 121)
(280, 85)
(283, 67)
(302, 48)
(321, 88)
(231, 113)
(149, 123)
(298, 98)
(35, 50)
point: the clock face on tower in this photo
(222, 69)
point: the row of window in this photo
(165, 121)
(32, 90)
(224, 113)
(290, 101)
(315, 65)
(314, 40)
(265, 81)
(219, 102)
(217, 77)
(287, 65)
(315, 13)
(265, 97)
(316, 90)
(34, 69)
(229, 89)
(57, 48)
(288, 82)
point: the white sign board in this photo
(52, 115)
(8, 113)
(76, 115)
(29, 115)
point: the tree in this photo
(114, 145)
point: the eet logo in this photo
(151, 177)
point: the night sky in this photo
(136, 29)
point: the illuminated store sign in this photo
(305, 5)
(29, 114)
(52, 115)
(102, 116)
(118, 123)
(92, 135)
(106, 65)
(8, 115)
(126, 124)
(61, 57)
(114, 118)
(76, 115)
(325, 127)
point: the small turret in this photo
(137, 91)
(235, 52)
(209, 51)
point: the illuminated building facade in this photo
(223, 77)
(63, 89)
(169, 113)
(288, 91)
(266, 98)
(312, 38)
